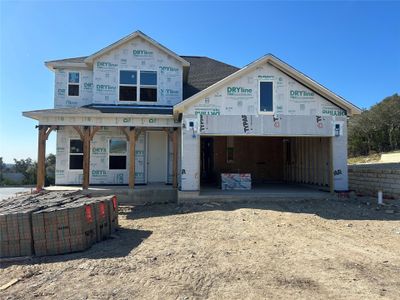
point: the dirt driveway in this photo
(309, 249)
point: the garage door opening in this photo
(274, 163)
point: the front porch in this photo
(141, 194)
(105, 146)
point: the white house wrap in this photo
(137, 113)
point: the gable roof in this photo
(132, 36)
(203, 72)
(86, 61)
(285, 68)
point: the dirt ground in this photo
(329, 249)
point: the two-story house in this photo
(137, 113)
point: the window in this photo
(73, 84)
(148, 86)
(266, 96)
(133, 89)
(127, 85)
(75, 155)
(117, 159)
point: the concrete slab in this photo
(141, 194)
(270, 192)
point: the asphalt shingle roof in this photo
(203, 72)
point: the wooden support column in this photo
(43, 135)
(86, 136)
(132, 144)
(41, 168)
(175, 158)
(86, 157)
(131, 133)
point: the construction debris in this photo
(50, 223)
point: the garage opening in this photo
(272, 162)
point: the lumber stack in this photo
(53, 223)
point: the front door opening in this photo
(156, 157)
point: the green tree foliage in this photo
(50, 169)
(376, 129)
(2, 167)
(28, 168)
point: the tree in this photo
(28, 168)
(376, 129)
(50, 169)
(2, 167)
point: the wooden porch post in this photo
(41, 168)
(132, 144)
(130, 134)
(86, 157)
(175, 158)
(44, 132)
(86, 136)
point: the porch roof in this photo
(102, 110)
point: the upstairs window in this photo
(148, 86)
(75, 155)
(73, 84)
(266, 97)
(118, 151)
(127, 85)
(134, 86)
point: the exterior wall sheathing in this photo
(99, 156)
(298, 112)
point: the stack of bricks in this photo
(54, 223)
(15, 233)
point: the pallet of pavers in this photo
(55, 223)
(236, 181)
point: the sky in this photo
(351, 47)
